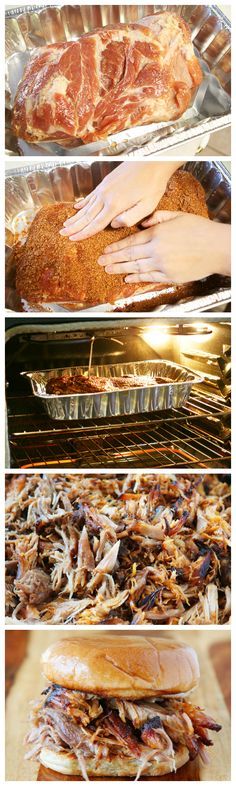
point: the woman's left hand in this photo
(177, 248)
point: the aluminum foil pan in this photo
(31, 187)
(81, 406)
(34, 25)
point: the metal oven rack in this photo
(197, 436)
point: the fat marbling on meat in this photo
(108, 80)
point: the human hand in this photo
(123, 198)
(176, 247)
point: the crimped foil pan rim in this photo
(18, 11)
(221, 14)
(194, 379)
(180, 137)
(155, 146)
(48, 166)
(66, 162)
(199, 305)
(192, 307)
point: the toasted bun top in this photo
(122, 665)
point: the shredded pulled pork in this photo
(86, 725)
(137, 549)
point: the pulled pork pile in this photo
(136, 549)
(146, 730)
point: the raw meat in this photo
(111, 79)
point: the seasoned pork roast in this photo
(52, 268)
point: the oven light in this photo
(199, 336)
(201, 328)
(156, 337)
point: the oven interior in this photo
(196, 435)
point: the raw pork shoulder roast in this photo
(114, 78)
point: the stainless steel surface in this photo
(80, 406)
(33, 26)
(34, 185)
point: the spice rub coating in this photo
(52, 268)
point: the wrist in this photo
(221, 260)
(167, 168)
(163, 171)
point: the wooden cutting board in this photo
(28, 684)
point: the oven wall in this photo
(56, 344)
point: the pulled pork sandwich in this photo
(130, 549)
(117, 707)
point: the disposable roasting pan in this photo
(33, 25)
(32, 186)
(81, 406)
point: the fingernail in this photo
(109, 269)
(101, 261)
(63, 232)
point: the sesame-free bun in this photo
(116, 766)
(124, 666)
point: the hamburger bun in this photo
(124, 666)
(117, 767)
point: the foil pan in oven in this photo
(32, 186)
(33, 26)
(81, 406)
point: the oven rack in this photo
(196, 435)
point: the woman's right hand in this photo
(126, 196)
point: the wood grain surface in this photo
(24, 683)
